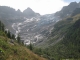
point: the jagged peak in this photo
(73, 3)
(19, 11)
(28, 10)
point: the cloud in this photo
(71, 0)
(40, 6)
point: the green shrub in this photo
(2, 33)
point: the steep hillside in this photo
(57, 33)
(10, 50)
(69, 47)
(64, 42)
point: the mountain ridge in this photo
(67, 10)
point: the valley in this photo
(33, 29)
(53, 36)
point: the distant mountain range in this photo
(10, 12)
(28, 24)
(32, 25)
(28, 13)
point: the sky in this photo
(71, 0)
(39, 6)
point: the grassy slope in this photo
(14, 51)
(69, 47)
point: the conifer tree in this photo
(9, 34)
(30, 46)
(0, 25)
(13, 36)
(18, 39)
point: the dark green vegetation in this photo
(69, 47)
(1, 26)
(11, 50)
(8, 33)
(64, 42)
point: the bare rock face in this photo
(30, 13)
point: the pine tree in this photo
(9, 34)
(30, 46)
(0, 25)
(13, 36)
(18, 39)
(5, 32)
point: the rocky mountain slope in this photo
(67, 10)
(31, 26)
(59, 29)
